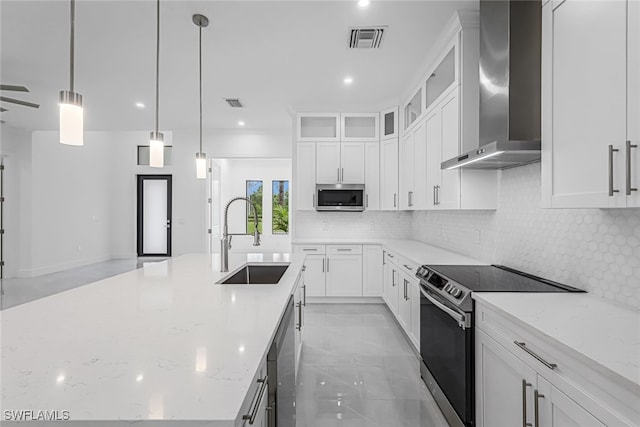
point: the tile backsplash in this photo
(594, 249)
(372, 224)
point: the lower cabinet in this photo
(409, 307)
(254, 407)
(344, 275)
(314, 275)
(372, 271)
(299, 304)
(391, 279)
(333, 270)
(513, 388)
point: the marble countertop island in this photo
(163, 342)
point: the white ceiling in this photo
(276, 56)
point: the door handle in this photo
(314, 200)
(338, 174)
(437, 194)
(299, 325)
(304, 295)
(536, 356)
(434, 195)
(611, 189)
(395, 196)
(629, 146)
(323, 264)
(525, 384)
(536, 408)
(251, 416)
(366, 198)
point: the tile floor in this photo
(358, 369)
(18, 291)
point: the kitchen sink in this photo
(256, 274)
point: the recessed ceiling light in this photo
(139, 105)
(364, 3)
(348, 80)
(240, 123)
(139, 378)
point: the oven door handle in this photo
(463, 321)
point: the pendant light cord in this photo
(72, 44)
(157, 63)
(200, 63)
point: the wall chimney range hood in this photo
(509, 74)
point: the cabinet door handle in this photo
(434, 195)
(310, 249)
(409, 201)
(366, 203)
(314, 200)
(323, 265)
(524, 347)
(437, 194)
(406, 295)
(611, 189)
(407, 267)
(344, 250)
(338, 174)
(383, 254)
(525, 384)
(536, 407)
(259, 394)
(395, 196)
(304, 295)
(393, 278)
(342, 176)
(299, 325)
(628, 169)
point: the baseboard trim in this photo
(345, 300)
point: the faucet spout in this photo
(225, 243)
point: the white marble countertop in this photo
(159, 343)
(590, 327)
(414, 250)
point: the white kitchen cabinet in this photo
(314, 127)
(633, 99)
(314, 276)
(520, 375)
(255, 401)
(389, 123)
(360, 127)
(305, 185)
(352, 155)
(589, 91)
(413, 108)
(404, 303)
(389, 174)
(344, 275)
(414, 295)
(372, 271)
(391, 283)
(413, 158)
(409, 307)
(299, 304)
(327, 163)
(372, 176)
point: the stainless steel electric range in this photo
(446, 328)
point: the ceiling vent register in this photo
(234, 102)
(366, 37)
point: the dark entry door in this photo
(154, 215)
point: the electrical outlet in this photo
(372, 226)
(325, 225)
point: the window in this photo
(254, 193)
(280, 203)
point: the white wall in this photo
(15, 147)
(234, 175)
(594, 249)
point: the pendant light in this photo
(201, 158)
(71, 113)
(156, 140)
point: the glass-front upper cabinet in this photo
(318, 127)
(413, 109)
(361, 127)
(442, 78)
(389, 123)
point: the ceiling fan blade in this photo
(2, 109)
(14, 88)
(17, 101)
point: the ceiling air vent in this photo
(366, 38)
(234, 102)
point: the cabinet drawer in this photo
(344, 249)
(408, 267)
(309, 249)
(391, 257)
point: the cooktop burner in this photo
(496, 278)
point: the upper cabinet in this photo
(442, 78)
(389, 123)
(314, 127)
(413, 109)
(590, 104)
(360, 127)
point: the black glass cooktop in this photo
(495, 278)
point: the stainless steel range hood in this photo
(510, 43)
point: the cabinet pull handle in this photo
(344, 250)
(390, 256)
(310, 249)
(366, 203)
(395, 196)
(299, 325)
(524, 347)
(393, 278)
(314, 200)
(628, 169)
(434, 195)
(611, 189)
(409, 197)
(525, 384)
(536, 408)
(407, 267)
(383, 254)
(323, 265)
(342, 176)
(260, 394)
(437, 194)
(304, 295)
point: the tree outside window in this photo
(254, 193)
(280, 204)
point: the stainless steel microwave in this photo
(340, 197)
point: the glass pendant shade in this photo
(201, 165)
(71, 118)
(156, 150)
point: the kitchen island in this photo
(161, 345)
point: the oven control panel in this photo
(452, 290)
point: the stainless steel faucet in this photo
(225, 243)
